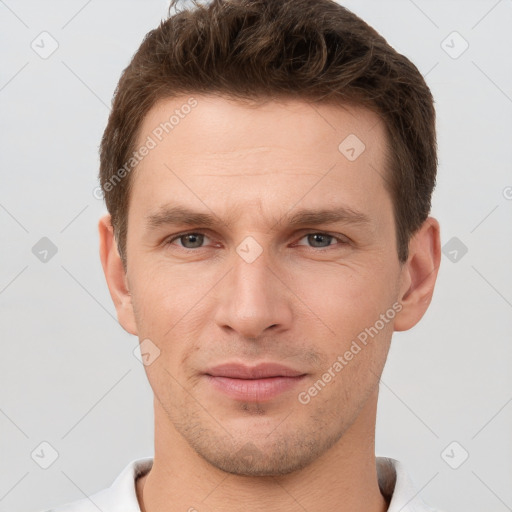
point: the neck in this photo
(343, 479)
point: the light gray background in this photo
(69, 375)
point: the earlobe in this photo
(419, 275)
(115, 275)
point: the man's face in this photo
(251, 286)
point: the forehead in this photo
(298, 122)
(210, 148)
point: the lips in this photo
(253, 383)
(260, 371)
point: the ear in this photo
(116, 276)
(419, 275)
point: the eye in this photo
(315, 240)
(189, 240)
(320, 240)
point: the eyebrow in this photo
(179, 215)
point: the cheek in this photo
(347, 303)
(155, 311)
(343, 299)
(169, 302)
(165, 292)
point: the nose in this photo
(253, 300)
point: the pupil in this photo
(195, 239)
(317, 237)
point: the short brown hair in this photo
(314, 50)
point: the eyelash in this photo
(341, 241)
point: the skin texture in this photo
(300, 303)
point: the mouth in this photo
(257, 383)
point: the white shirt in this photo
(121, 496)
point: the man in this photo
(268, 168)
